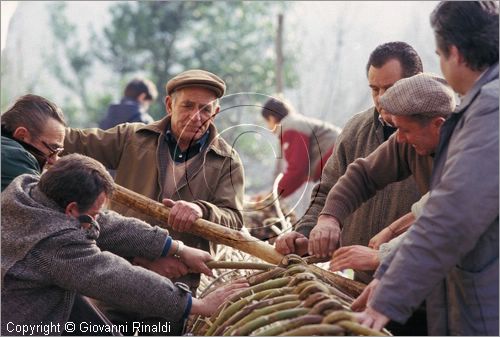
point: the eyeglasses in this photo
(52, 151)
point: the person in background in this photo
(133, 107)
(456, 237)
(59, 244)
(32, 137)
(306, 142)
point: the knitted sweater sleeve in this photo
(365, 176)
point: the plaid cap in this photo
(424, 94)
(197, 78)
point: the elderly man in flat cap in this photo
(418, 106)
(180, 160)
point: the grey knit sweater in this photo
(47, 258)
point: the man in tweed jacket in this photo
(53, 249)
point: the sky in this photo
(7, 9)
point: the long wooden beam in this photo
(203, 228)
(223, 235)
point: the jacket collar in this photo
(382, 131)
(489, 75)
(215, 141)
(43, 200)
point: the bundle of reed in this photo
(288, 300)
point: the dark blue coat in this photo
(127, 111)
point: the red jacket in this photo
(307, 143)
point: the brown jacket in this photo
(134, 150)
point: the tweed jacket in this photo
(456, 237)
(47, 258)
(136, 151)
(362, 134)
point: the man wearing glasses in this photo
(32, 137)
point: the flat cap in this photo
(197, 78)
(425, 94)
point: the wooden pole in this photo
(227, 236)
(279, 55)
(203, 228)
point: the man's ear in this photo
(168, 104)
(22, 134)
(456, 55)
(72, 209)
(216, 112)
(438, 122)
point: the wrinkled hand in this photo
(209, 304)
(182, 214)
(371, 318)
(169, 267)
(385, 235)
(196, 260)
(355, 257)
(292, 243)
(324, 237)
(362, 300)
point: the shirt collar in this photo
(183, 156)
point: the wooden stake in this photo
(202, 228)
(227, 236)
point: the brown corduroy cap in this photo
(197, 78)
(423, 94)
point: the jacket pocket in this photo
(473, 301)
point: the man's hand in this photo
(354, 257)
(169, 267)
(196, 260)
(324, 237)
(209, 304)
(182, 214)
(385, 235)
(362, 300)
(292, 242)
(371, 318)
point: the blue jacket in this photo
(128, 111)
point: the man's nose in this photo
(196, 117)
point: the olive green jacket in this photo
(16, 160)
(214, 181)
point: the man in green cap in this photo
(180, 160)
